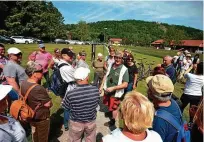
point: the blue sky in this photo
(187, 13)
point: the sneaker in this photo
(66, 128)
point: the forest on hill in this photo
(42, 19)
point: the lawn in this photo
(139, 52)
(156, 52)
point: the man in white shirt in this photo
(67, 74)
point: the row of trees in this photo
(41, 19)
(31, 18)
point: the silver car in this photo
(57, 41)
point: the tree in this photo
(35, 18)
(82, 31)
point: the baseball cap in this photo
(82, 53)
(41, 45)
(81, 73)
(13, 50)
(161, 87)
(4, 89)
(67, 51)
(33, 67)
(100, 55)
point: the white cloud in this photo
(140, 10)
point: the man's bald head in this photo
(167, 60)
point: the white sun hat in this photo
(13, 50)
(4, 90)
(100, 55)
(81, 73)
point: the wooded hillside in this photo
(42, 19)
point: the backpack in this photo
(58, 85)
(20, 110)
(183, 133)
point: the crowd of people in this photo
(142, 117)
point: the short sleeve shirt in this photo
(98, 65)
(132, 70)
(113, 77)
(164, 128)
(12, 69)
(193, 85)
(82, 63)
(42, 59)
(12, 131)
(38, 95)
(3, 61)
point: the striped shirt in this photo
(82, 102)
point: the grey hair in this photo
(160, 98)
(169, 57)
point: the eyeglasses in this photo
(117, 57)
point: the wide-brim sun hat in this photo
(4, 90)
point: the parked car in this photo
(7, 40)
(87, 42)
(79, 42)
(35, 40)
(57, 41)
(21, 39)
(70, 41)
(199, 51)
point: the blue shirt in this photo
(164, 128)
(171, 71)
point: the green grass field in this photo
(139, 52)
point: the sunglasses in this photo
(39, 71)
(130, 59)
(19, 54)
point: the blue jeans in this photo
(66, 118)
(13, 95)
(129, 87)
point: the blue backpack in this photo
(183, 134)
(58, 85)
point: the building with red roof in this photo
(191, 45)
(115, 41)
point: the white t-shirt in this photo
(67, 72)
(109, 61)
(187, 64)
(194, 84)
(118, 136)
(56, 60)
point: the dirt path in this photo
(101, 129)
(62, 136)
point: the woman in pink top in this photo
(43, 58)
